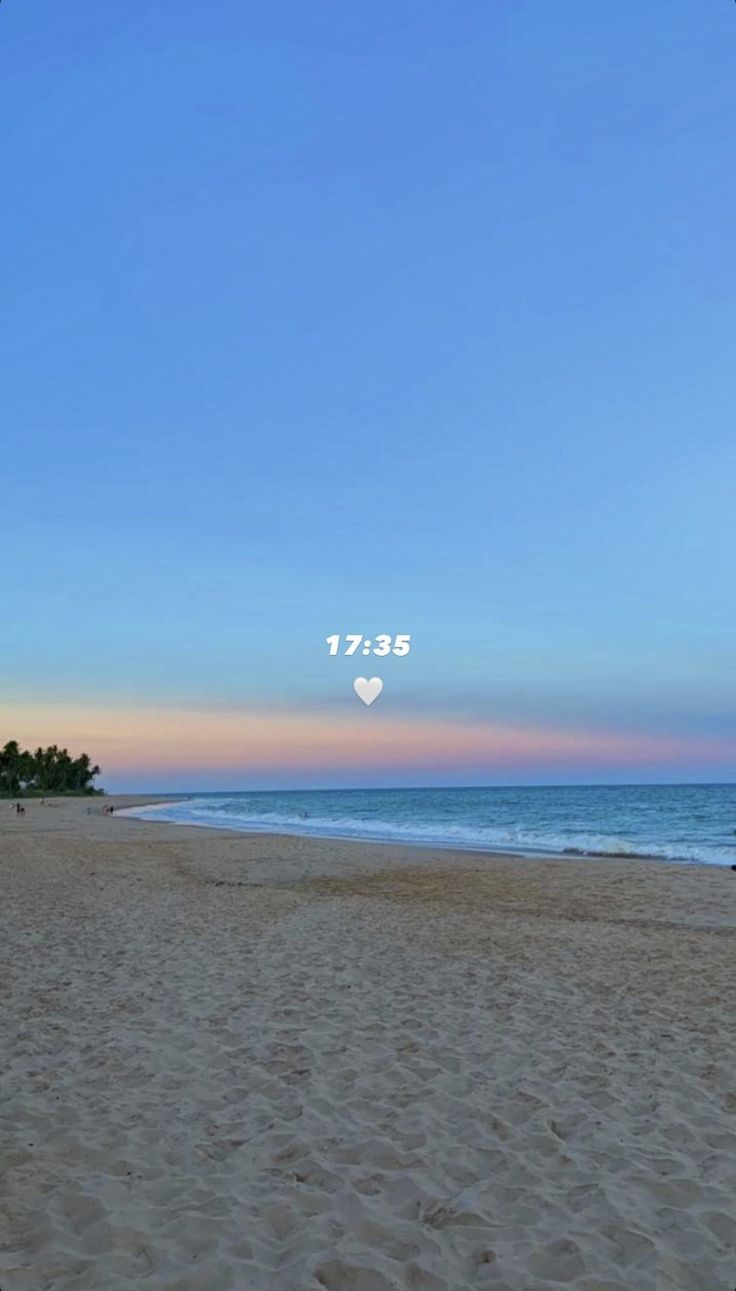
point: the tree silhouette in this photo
(50, 770)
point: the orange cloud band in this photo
(124, 739)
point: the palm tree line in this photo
(47, 771)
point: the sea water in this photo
(671, 822)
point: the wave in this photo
(223, 814)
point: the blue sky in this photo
(406, 318)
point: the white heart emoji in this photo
(367, 690)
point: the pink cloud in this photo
(124, 739)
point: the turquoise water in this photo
(672, 822)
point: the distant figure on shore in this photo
(19, 810)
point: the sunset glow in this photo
(143, 739)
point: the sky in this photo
(375, 318)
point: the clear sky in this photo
(331, 317)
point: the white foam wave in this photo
(220, 814)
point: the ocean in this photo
(669, 822)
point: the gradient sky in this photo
(327, 317)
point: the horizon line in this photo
(448, 788)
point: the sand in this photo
(234, 1061)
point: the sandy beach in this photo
(252, 1063)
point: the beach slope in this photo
(252, 1063)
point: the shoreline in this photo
(540, 854)
(246, 1060)
(328, 853)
